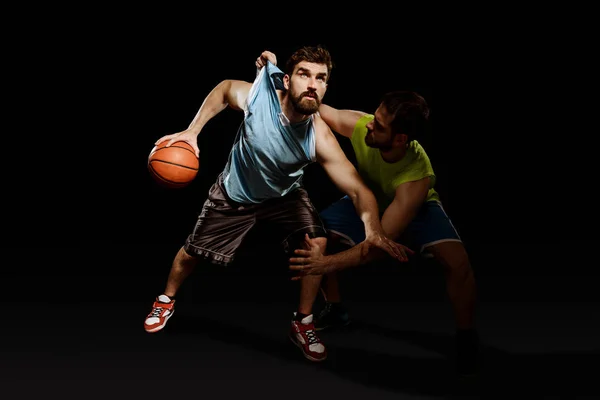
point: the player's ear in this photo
(286, 82)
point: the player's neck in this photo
(393, 155)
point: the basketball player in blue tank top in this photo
(261, 184)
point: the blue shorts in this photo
(430, 226)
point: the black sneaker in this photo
(334, 315)
(467, 353)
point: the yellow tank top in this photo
(382, 177)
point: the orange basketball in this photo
(175, 166)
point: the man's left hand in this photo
(394, 249)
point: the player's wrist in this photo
(372, 230)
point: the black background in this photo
(88, 237)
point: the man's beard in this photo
(306, 107)
(381, 146)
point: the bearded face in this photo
(383, 141)
(307, 86)
(306, 103)
(379, 131)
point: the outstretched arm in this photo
(232, 93)
(408, 199)
(343, 174)
(340, 121)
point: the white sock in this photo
(163, 298)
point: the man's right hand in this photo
(265, 56)
(309, 262)
(187, 136)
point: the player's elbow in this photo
(362, 191)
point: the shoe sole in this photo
(308, 356)
(158, 328)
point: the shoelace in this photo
(312, 337)
(156, 311)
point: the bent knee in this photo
(453, 256)
(298, 241)
(186, 257)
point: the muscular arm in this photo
(340, 121)
(344, 175)
(232, 93)
(408, 199)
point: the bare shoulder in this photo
(237, 93)
(240, 86)
(322, 131)
(327, 147)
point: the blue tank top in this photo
(269, 154)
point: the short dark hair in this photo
(410, 113)
(314, 54)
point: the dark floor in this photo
(73, 317)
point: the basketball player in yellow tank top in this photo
(398, 171)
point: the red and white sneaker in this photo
(162, 309)
(304, 336)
